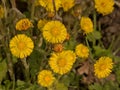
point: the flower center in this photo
(65, 4)
(55, 31)
(47, 79)
(49, 1)
(21, 45)
(102, 67)
(103, 4)
(84, 50)
(61, 62)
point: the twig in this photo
(117, 3)
(13, 3)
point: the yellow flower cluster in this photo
(62, 62)
(54, 32)
(82, 51)
(103, 66)
(23, 24)
(21, 46)
(104, 6)
(86, 24)
(45, 78)
(48, 4)
(1, 12)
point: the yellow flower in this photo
(103, 66)
(48, 4)
(62, 62)
(58, 47)
(71, 55)
(67, 4)
(54, 32)
(23, 24)
(82, 51)
(45, 78)
(1, 12)
(104, 6)
(41, 24)
(86, 24)
(21, 46)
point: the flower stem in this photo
(33, 9)
(94, 21)
(5, 42)
(13, 3)
(89, 49)
(26, 66)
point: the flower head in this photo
(86, 24)
(23, 24)
(62, 62)
(1, 12)
(104, 6)
(45, 78)
(21, 46)
(48, 4)
(67, 4)
(103, 66)
(54, 32)
(41, 23)
(82, 51)
(58, 47)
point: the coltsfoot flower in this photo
(45, 78)
(86, 24)
(62, 62)
(41, 24)
(54, 32)
(23, 24)
(103, 66)
(82, 51)
(21, 46)
(58, 47)
(104, 6)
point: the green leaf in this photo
(67, 79)
(96, 35)
(14, 59)
(117, 72)
(7, 84)
(95, 86)
(35, 62)
(100, 51)
(111, 86)
(70, 45)
(3, 69)
(61, 86)
(20, 83)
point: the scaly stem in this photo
(26, 66)
(13, 3)
(5, 43)
(94, 21)
(54, 7)
(32, 9)
(89, 49)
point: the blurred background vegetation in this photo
(104, 41)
